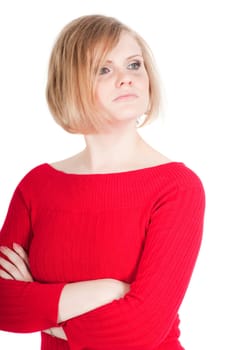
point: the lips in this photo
(125, 97)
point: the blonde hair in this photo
(79, 51)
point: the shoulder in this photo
(179, 173)
(180, 191)
(184, 176)
(35, 177)
(36, 171)
(171, 172)
(176, 178)
(188, 184)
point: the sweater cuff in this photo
(49, 295)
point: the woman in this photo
(97, 250)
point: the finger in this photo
(12, 256)
(21, 252)
(5, 275)
(11, 269)
(17, 266)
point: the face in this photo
(122, 87)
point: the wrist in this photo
(51, 332)
(80, 297)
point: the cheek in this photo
(144, 82)
(98, 98)
(146, 92)
(100, 94)
(145, 85)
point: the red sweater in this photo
(142, 226)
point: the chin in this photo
(128, 113)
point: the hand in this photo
(16, 266)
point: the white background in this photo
(191, 41)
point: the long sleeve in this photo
(24, 306)
(145, 316)
(142, 226)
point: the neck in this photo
(111, 151)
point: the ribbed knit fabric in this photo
(142, 226)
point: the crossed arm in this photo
(76, 298)
(147, 313)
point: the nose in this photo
(123, 79)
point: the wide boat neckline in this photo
(116, 173)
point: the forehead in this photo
(127, 46)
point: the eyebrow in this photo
(128, 58)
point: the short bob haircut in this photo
(78, 53)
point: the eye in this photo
(104, 70)
(135, 65)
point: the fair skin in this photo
(122, 92)
(76, 298)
